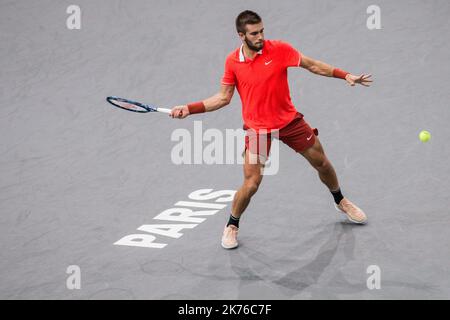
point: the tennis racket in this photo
(134, 105)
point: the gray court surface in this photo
(78, 175)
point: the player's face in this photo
(254, 37)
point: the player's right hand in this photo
(179, 112)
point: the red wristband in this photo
(338, 73)
(197, 107)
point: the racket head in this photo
(130, 105)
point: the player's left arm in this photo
(324, 69)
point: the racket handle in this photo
(164, 110)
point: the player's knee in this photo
(322, 165)
(252, 185)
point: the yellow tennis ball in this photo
(424, 136)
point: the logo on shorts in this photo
(309, 138)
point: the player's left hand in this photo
(363, 79)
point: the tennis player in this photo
(258, 69)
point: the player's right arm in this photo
(213, 103)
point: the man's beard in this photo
(252, 47)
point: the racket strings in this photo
(128, 105)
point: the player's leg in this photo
(252, 180)
(317, 158)
(302, 138)
(253, 166)
(299, 136)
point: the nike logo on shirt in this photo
(268, 62)
(309, 138)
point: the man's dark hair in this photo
(246, 17)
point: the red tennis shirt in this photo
(262, 84)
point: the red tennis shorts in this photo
(298, 135)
